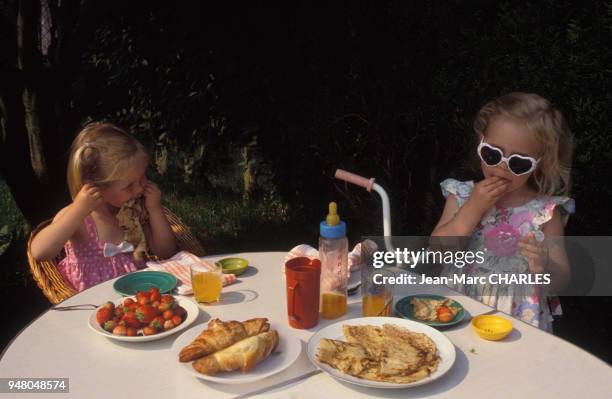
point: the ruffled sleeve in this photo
(566, 205)
(460, 189)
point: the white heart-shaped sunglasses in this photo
(517, 164)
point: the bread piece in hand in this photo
(131, 217)
(220, 335)
(243, 355)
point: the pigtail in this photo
(83, 167)
(100, 154)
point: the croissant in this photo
(220, 335)
(243, 355)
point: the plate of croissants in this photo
(235, 352)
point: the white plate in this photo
(446, 349)
(192, 314)
(287, 352)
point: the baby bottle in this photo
(333, 253)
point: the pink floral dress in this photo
(499, 231)
(85, 264)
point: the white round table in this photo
(528, 364)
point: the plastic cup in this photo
(303, 275)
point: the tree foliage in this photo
(268, 101)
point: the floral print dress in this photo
(499, 231)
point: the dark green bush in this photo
(270, 101)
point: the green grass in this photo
(225, 223)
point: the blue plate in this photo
(141, 281)
(404, 309)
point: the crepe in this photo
(388, 353)
(427, 309)
(131, 218)
(370, 337)
(351, 359)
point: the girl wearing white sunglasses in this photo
(525, 151)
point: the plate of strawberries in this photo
(147, 316)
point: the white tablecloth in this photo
(528, 364)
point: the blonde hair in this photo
(549, 128)
(100, 154)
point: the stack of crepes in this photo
(232, 345)
(179, 266)
(381, 353)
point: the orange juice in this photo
(377, 305)
(333, 305)
(206, 286)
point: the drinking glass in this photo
(377, 299)
(206, 283)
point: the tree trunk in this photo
(36, 123)
(29, 60)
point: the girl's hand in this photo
(487, 192)
(152, 195)
(535, 252)
(88, 198)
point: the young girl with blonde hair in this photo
(107, 168)
(525, 151)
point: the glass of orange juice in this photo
(377, 299)
(206, 283)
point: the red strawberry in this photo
(109, 325)
(149, 330)
(143, 297)
(146, 313)
(130, 319)
(120, 330)
(157, 323)
(121, 310)
(168, 325)
(103, 315)
(154, 294)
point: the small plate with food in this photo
(234, 352)
(145, 317)
(382, 352)
(433, 310)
